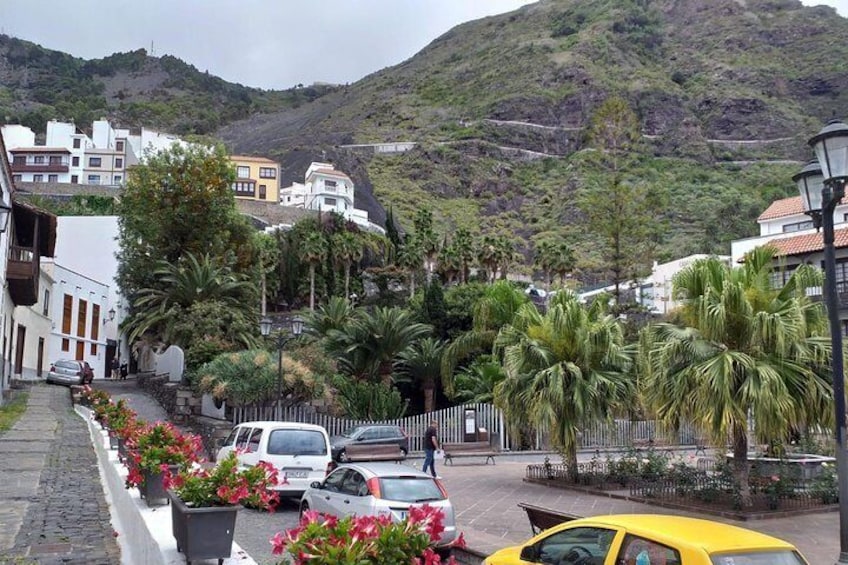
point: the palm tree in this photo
(348, 251)
(496, 309)
(564, 369)
(180, 286)
(477, 382)
(748, 349)
(544, 258)
(505, 254)
(450, 264)
(313, 252)
(490, 256)
(562, 261)
(463, 244)
(427, 242)
(409, 258)
(369, 345)
(331, 316)
(421, 362)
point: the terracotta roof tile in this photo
(331, 173)
(807, 243)
(39, 149)
(786, 207)
(252, 159)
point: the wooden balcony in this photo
(22, 275)
(40, 168)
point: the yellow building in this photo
(257, 178)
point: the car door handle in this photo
(326, 498)
(346, 501)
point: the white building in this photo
(655, 292)
(78, 309)
(33, 328)
(328, 190)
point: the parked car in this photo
(648, 538)
(372, 489)
(69, 372)
(300, 452)
(369, 435)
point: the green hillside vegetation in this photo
(132, 88)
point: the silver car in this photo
(380, 488)
(66, 372)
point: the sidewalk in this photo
(52, 506)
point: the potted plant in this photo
(204, 504)
(153, 450)
(377, 540)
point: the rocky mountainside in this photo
(725, 92)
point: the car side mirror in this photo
(529, 553)
(316, 484)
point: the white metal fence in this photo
(453, 426)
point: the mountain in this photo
(132, 89)
(725, 92)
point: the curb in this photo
(143, 533)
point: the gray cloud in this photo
(263, 43)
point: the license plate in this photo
(297, 474)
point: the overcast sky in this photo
(263, 43)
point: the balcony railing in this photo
(22, 274)
(40, 167)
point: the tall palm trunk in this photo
(312, 287)
(571, 458)
(411, 283)
(347, 280)
(385, 372)
(740, 465)
(429, 388)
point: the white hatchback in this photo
(299, 452)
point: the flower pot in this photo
(113, 440)
(203, 533)
(122, 450)
(152, 489)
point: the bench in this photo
(542, 518)
(650, 443)
(355, 453)
(469, 449)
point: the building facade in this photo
(257, 178)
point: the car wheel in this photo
(403, 451)
(342, 456)
(304, 507)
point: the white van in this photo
(300, 452)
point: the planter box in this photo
(203, 533)
(113, 440)
(152, 490)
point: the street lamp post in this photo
(281, 338)
(822, 186)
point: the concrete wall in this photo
(38, 327)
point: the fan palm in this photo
(477, 382)
(564, 369)
(313, 252)
(181, 285)
(331, 316)
(750, 349)
(348, 249)
(421, 362)
(495, 310)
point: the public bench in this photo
(469, 449)
(366, 452)
(640, 443)
(542, 518)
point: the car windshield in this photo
(296, 442)
(351, 432)
(774, 557)
(410, 489)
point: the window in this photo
(93, 179)
(19, 160)
(118, 179)
(634, 548)
(780, 277)
(83, 310)
(52, 178)
(241, 441)
(330, 201)
(569, 546)
(330, 185)
(773, 557)
(119, 146)
(253, 440)
(262, 192)
(798, 226)
(411, 489)
(76, 143)
(243, 188)
(16, 178)
(75, 161)
(37, 178)
(38, 159)
(354, 484)
(288, 198)
(94, 349)
(267, 172)
(334, 482)
(80, 350)
(67, 313)
(94, 161)
(45, 307)
(55, 159)
(66, 344)
(74, 179)
(119, 162)
(243, 172)
(841, 276)
(95, 322)
(297, 442)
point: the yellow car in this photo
(647, 539)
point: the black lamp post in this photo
(822, 186)
(281, 338)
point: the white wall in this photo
(15, 136)
(88, 245)
(38, 325)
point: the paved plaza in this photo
(53, 508)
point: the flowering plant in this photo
(225, 485)
(93, 397)
(376, 540)
(154, 447)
